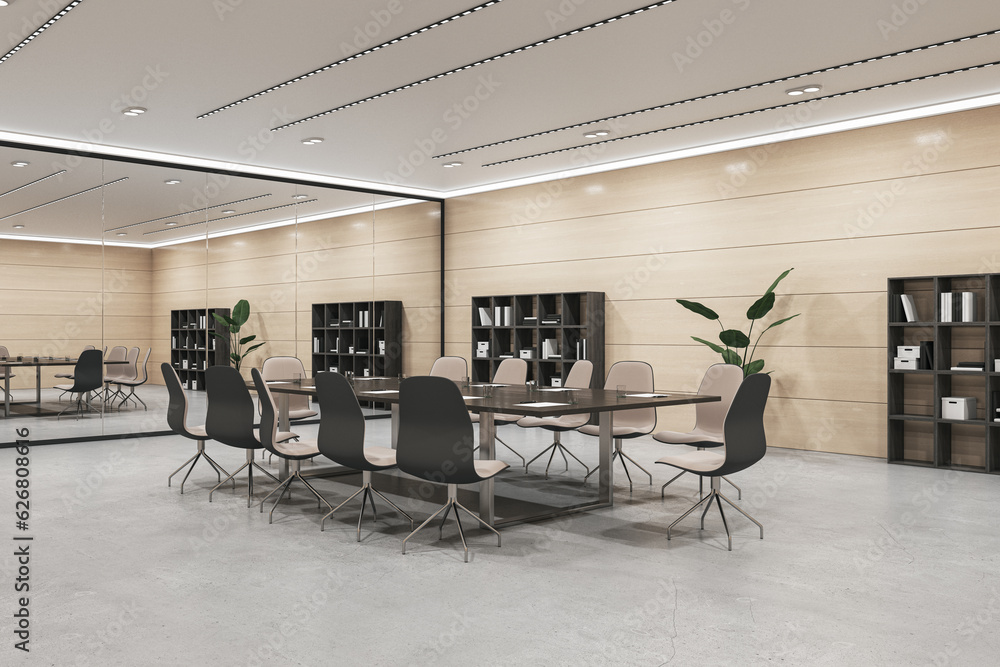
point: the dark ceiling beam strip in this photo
(28, 185)
(355, 56)
(867, 89)
(179, 215)
(413, 84)
(707, 96)
(39, 30)
(228, 217)
(56, 201)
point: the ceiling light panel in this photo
(39, 30)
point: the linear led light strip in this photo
(200, 210)
(719, 94)
(477, 63)
(38, 31)
(56, 201)
(372, 49)
(749, 113)
(228, 217)
(28, 185)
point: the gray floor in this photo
(862, 564)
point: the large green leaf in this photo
(715, 348)
(235, 357)
(218, 335)
(776, 323)
(241, 312)
(732, 357)
(761, 307)
(754, 366)
(779, 279)
(734, 338)
(696, 307)
(251, 349)
(224, 320)
(244, 341)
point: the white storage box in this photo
(909, 351)
(905, 363)
(527, 354)
(958, 407)
(556, 382)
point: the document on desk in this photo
(380, 391)
(647, 395)
(540, 404)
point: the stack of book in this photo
(958, 306)
(552, 319)
(530, 321)
(969, 366)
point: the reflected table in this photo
(514, 399)
(10, 363)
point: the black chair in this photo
(293, 452)
(88, 376)
(342, 440)
(61, 376)
(435, 444)
(743, 445)
(230, 420)
(177, 421)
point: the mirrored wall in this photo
(128, 255)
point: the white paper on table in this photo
(473, 398)
(648, 395)
(488, 385)
(540, 404)
(555, 389)
(381, 391)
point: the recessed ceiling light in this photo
(801, 90)
(172, 181)
(3, 3)
(121, 234)
(593, 134)
(18, 226)
(811, 88)
(171, 223)
(228, 212)
(300, 196)
(134, 111)
(449, 165)
(312, 140)
(19, 163)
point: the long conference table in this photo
(511, 399)
(11, 363)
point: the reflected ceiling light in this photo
(801, 90)
(3, 3)
(228, 212)
(18, 226)
(172, 181)
(449, 165)
(121, 234)
(300, 196)
(312, 141)
(19, 163)
(594, 134)
(134, 111)
(171, 223)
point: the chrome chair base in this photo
(286, 486)
(557, 446)
(249, 465)
(446, 508)
(618, 452)
(131, 395)
(739, 491)
(80, 405)
(715, 494)
(219, 470)
(369, 492)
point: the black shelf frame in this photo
(192, 349)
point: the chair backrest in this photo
(268, 412)
(721, 380)
(230, 408)
(88, 374)
(453, 368)
(511, 371)
(177, 406)
(90, 347)
(5, 371)
(129, 370)
(580, 375)
(341, 423)
(637, 376)
(117, 353)
(744, 432)
(141, 374)
(435, 433)
(286, 368)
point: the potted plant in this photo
(734, 340)
(233, 324)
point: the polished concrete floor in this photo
(862, 564)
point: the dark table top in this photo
(513, 399)
(11, 362)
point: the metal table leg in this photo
(487, 450)
(284, 424)
(394, 425)
(606, 472)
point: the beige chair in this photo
(579, 377)
(140, 378)
(510, 371)
(636, 376)
(721, 380)
(113, 371)
(453, 368)
(5, 370)
(288, 368)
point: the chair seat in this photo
(383, 457)
(301, 413)
(64, 387)
(563, 423)
(498, 418)
(697, 461)
(59, 375)
(487, 468)
(282, 436)
(303, 449)
(198, 431)
(696, 438)
(616, 431)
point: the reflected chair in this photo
(510, 371)
(579, 378)
(139, 379)
(342, 440)
(435, 445)
(61, 376)
(744, 444)
(293, 452)
(88, 376)
(230, 420)
(636, 376)
(177, 421)
(5, 370)
(453, 368)
(114, 371)
(721, 380)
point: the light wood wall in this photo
(846, 210)
(59, 297)
(391, 254)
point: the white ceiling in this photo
(185, 58)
